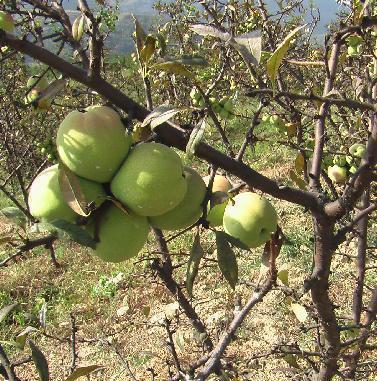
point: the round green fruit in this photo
(189, 210)
(250, 218)
(352, 51)
(151, 181)
(357, 150)
(121, 236)
(6, 22)
(337, 174)
(46, 201)
(93, 143)
(353, 169)
(220, 183)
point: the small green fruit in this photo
(337, 174)
(189, 210)
(250, 218)
(150, 182)
(353, 169)
(121, 236)
(46, 201)
(93, 143)
(357, 150)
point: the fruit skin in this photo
(6, 22)
(46, 201)
(121, 236)
(189, 210)
(251, 219)
(216, 214)
(220, 183)
(93, 143)
(150, 182)
(337, 174)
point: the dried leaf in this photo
(40, 362)
(299, 311)
(52, 89)
(140, 35)
(207, 30)
(71, 190)
(196, 254)
(21, 337)
(83, 371)
(226, 259)
(160, 115)
(276, 58)
(6, 310)
(253, 43)
(291, 360)
(195, 138)
(299, 163)
(283, 276)
(174, 68)
(148, 49)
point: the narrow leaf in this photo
(76, 233)
(83, 371)
(276, 58)
(148, 49)
(161, 43)
(297, 180)
(299, 163)
(291, 360)
(40, 362)
(196, 254)
(140, 35)
(253, 43)
(21, 337)
(299, 311)
(53, 89)
(235, 241)
(207, 30)
(195, 138)
(6, 310)
(174, 68)
(226, 259)
(15, 215)
(283, 277)
(71, 190)
(160, 115)
(189, 60)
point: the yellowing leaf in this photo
(174, 68)
(275, 60)
(283, 277)
(297, 180)
(83, 371)
(148, 49)
(299, 311)
(291, 360)
(299, 163)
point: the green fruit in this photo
(337, 174)
(354, 40)
(251, 219)
(121, 236)
(189, 210)
(93, 143)
(151, 181)
(6, 22)
(357, 150)
(350, 160)
(340, 160)
(220, 183)
(46, 201)
(36, 83)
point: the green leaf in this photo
(291, 360)
(161, 43)
(226, 259)
(21, 337)
(148, 49)
(83, 371)
(235, 241)
(297, 180)
(276, 58)
(196, 254)
(76, 233)
(299, 311)
(52, 89)
(140, 35)
(189, 60)
(40, 362)
(195, 138)
(15, 215)
(283, 276)
(6, 310)
(160, 115)
(71, 190)
(174, 68)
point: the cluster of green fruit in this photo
(344, 164)
(37, 84)
(48, 149)
(223, 108)
(276, 122)
(355, 47)
(149, 187)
